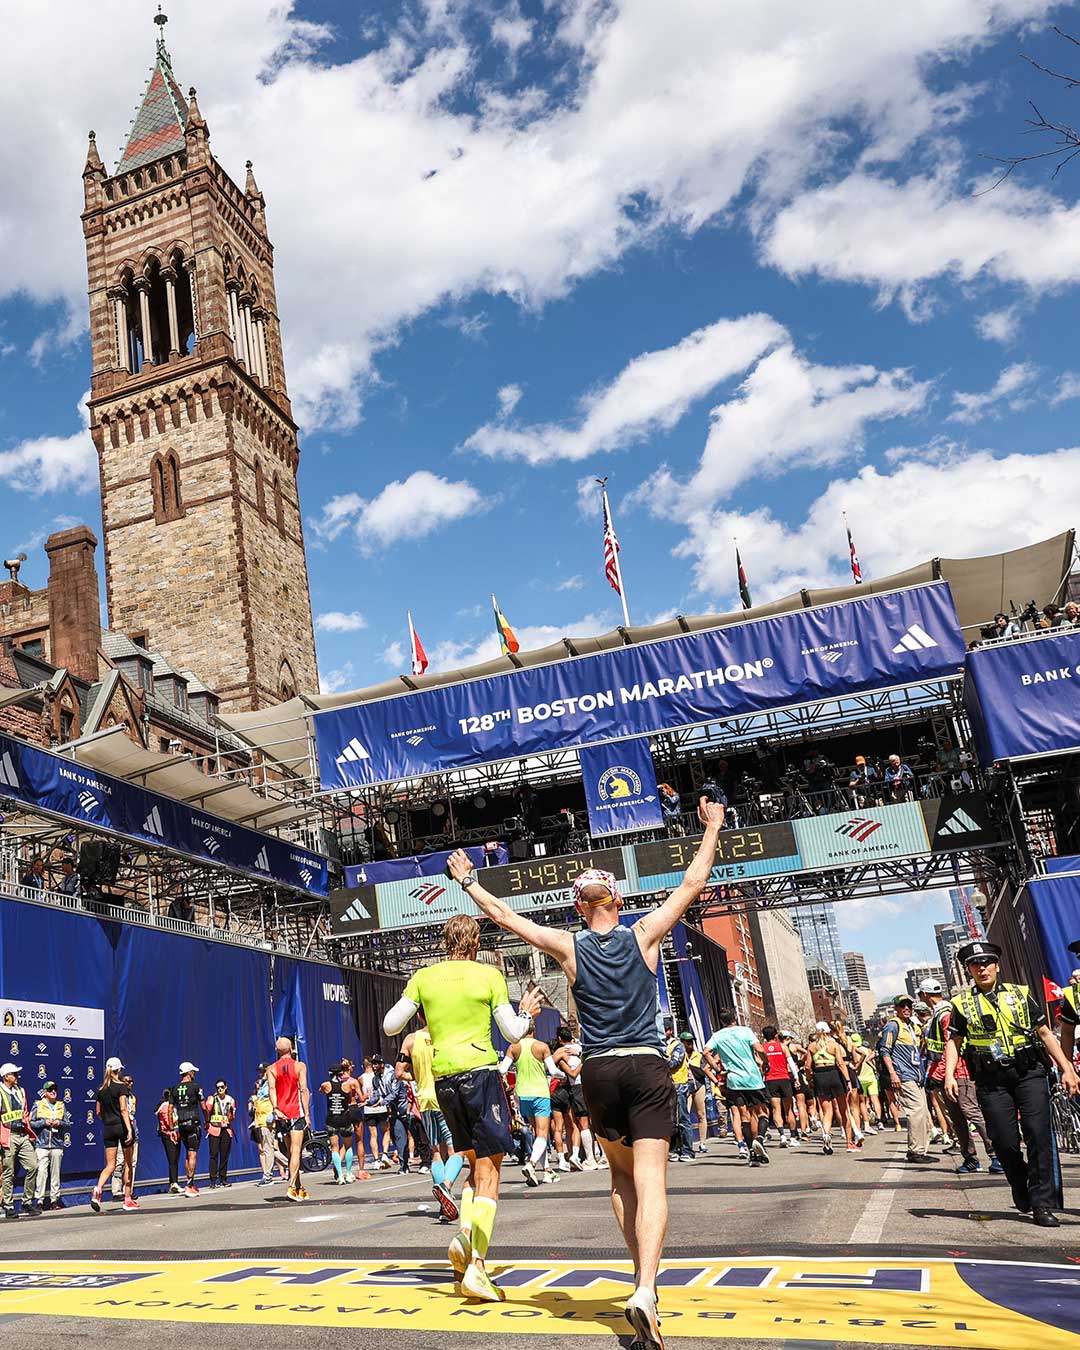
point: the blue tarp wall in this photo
(1056, 904)
(169, 998)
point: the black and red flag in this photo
(744, 587)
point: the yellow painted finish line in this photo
(982, 1305)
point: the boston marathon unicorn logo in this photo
(618, 783)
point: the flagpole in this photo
(412, 644)
(615, 551)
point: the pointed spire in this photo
(158, 126)
(195, 120)
(251, 188)
(93, 159)
(196, 133)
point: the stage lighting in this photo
(391, 816)
(438, 809)
(479, 801)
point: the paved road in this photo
(812, 1251)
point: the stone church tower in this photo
(204, 546)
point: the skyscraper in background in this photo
(855, 965)
(820, 939)
(950, 937)
(965, 913)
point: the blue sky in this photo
(735, 257)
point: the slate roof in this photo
(158, 128)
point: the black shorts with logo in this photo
(630, 1097)
(474, 1106)
(190, 1135)
(780, 1087)
(340, 1124)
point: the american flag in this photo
(856, 570)
(611, 547)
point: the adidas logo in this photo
(8, 776)
(262, 862)
(306, 876)
(212, 844)
(414, 740)
(916, 639)
(88, 802)
(353, 751)
(959, 823)
(356, 913)
(152, 823)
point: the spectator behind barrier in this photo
(899, 780)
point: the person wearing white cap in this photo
(187, 1098)
(16, 1142)
(964, 1113)
(118, 1132)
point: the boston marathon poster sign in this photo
(620, 788)
(904, 637)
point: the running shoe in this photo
(996, 1167)
(292, 1194)
(794, 1142)
(447, 1203)
(95, 1201)
(131, 1204)
(476, 1283)
(303, 1194)
(949, 1145)
(529, 1173)
(970, 1165)
(564, 1166)
(424, 1171)
(640, 1311)
(785, 1139)
(58, 1203)
(174, 1189)
(853, 1148)
(191, 1189)
(686, 1157)
(936, 1135)
(752, 1161)
(673, 1157)
(31, 1211)
(591, 1165)
(758, 1150)
(703, 1148)
(576, 1165)
(349, 1178)
(550, 1178)
(459, 1253)
(262, 1181)
(868, 1129)
(826, 1147)
(602, 1164)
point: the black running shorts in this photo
(630, 1097)
(475, 1107)
(747, 1097)
(560, 1098)
(577, 1100)
(829, 1083)
(190, 1136)
(780, 1087)
(339, 1124)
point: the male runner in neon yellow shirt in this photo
(459, 997)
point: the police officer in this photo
(999, 1029)
(16, 1142)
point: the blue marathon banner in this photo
(620, 787)
(1056, 903)
(89, 798)
(905, 637)
(418, 865)
(1023, 697)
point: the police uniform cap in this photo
(972, 950)
(1074, 947)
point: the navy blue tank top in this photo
(617, 995)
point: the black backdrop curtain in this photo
(371, 996)
(713, 971)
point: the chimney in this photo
(74, 606)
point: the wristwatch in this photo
(469, 879)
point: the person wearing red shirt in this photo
(291, 1099)
(780, 1086)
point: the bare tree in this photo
(1064, 138)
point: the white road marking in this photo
(871, 1223)
(320, 1218)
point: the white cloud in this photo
(452, 654)
(335, 621)
(571, 584)
(406, 509)
(509, 397)
(1012, 380)
(899, 235)
(334, 681)
(393, 655)
(787, 411)
(53, 463)
(651, 393)
(887, 977)
(443, 185)
(999, 325)
(1068, 387)
(963, 505)
(512, 31)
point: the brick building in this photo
(203, 539)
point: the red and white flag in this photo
(1052, 993)
(611, 549)
(856, 570)
(419, 656)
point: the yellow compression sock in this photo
(465, 1209)
(483, 1220)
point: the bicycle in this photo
(1065, 1115)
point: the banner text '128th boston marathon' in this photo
(870, 643)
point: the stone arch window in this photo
(260, 488)
(67, 719)
(165, 487)
(286, 682)
(279, 504)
